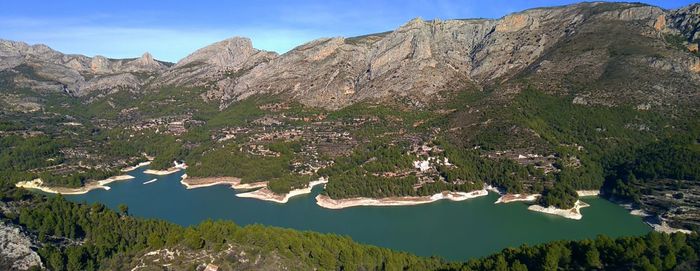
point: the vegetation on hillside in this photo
(561, 196)
(91, 237)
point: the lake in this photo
(452, 230)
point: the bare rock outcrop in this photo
(16, 249)
(685, 21)
(553, 48)
(41, 68)
(216, 65)
(422, 58)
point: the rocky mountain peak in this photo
(11, 48)
(413, 23)
(686, 21)
(99, 64)
(219, 62)
(230, 53)
(22, 49)
(418, 60)
(144, 63)
(146, 57)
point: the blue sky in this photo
(170, 30)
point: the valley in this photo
(548, 124)
(423, 228)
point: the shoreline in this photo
(235, 183)
(174, 169)
(162, 172)
(573, 213)
(656, 223)
(132, 168)
(508, 198)
(267, 194)
(665, 228)
(38, 184)
(329, 203)
(588, 193)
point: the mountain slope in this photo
(557, 99)
(422, 58)
(43, 69)
(216, 66)
(418, 61)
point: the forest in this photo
(105, 239)
(560, 195)
(607, 153)
(673, 158)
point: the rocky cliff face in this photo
(605, 47)
(422, 58)
(685, 21)
(41, 68)
(216, 66)
(16, 251)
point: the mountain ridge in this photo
(417, 60)
(544, 97)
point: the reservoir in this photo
(452, 230)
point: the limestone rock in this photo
(685, 21)
(16, 249)
(41, 68)
(219, 61)
(112, 83)
(414, 64)
(416, 61)
(100, 64)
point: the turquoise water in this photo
(452, 230)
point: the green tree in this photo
(155, 241)
(123, 209)
(75, 257)
(593, 258)
(193, 239)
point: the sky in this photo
(170, 30)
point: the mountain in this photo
(548, 101)
(422, 58)
(41, 68)
(419, 60)
(216, 66)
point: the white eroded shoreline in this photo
(588, 193)
(268, 195)
(162, 172)
(657, 223)
(177, 166)
(132, 168)
(235, 183)
(38, 184)
(329, 203)
(573, 213)
(507, 198)
(665, 228)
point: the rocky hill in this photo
(422, 58)
(41, 68)
(591, 95)
(555, 48)
(216, 66)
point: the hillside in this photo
(591, 96)
(70, 236)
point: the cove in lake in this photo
(452, 230)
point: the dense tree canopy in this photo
(106, 237)
(560, 195)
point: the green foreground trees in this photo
(107, 239)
